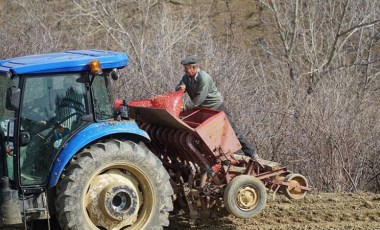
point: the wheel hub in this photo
(113, 199)
(119, 200)
(246, 198)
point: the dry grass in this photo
(300, 79)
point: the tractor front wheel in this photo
(114, 185)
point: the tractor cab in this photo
(42, 108)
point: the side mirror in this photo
(114, 74)
(13, 98)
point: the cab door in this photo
(52, 107)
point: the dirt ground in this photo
(315, 211)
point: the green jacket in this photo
(202, 91)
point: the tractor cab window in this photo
(102, 98)
(52, 108)
(7, 122)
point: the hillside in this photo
(301, 78)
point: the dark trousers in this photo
(246, 146)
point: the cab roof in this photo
(68, 61)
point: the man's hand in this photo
(182, 86)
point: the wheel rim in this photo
(294, 190)
(118, 196)
(246, 198)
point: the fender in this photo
(87, 135)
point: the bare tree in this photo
(304, 89)
(325, 47)
(30, 30)
(153, 36)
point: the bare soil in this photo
(315, 211)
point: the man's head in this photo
(190, 65)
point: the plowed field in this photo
(315, 211)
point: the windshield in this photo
(6, 127)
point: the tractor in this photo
(63, 153)
(69, 150)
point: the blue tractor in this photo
(65, 152)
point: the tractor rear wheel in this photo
(245, 196)
(114, 185)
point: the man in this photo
(203, 93)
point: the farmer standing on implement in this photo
(203, 93)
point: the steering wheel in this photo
(50, 134)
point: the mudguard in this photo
(87, 135)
